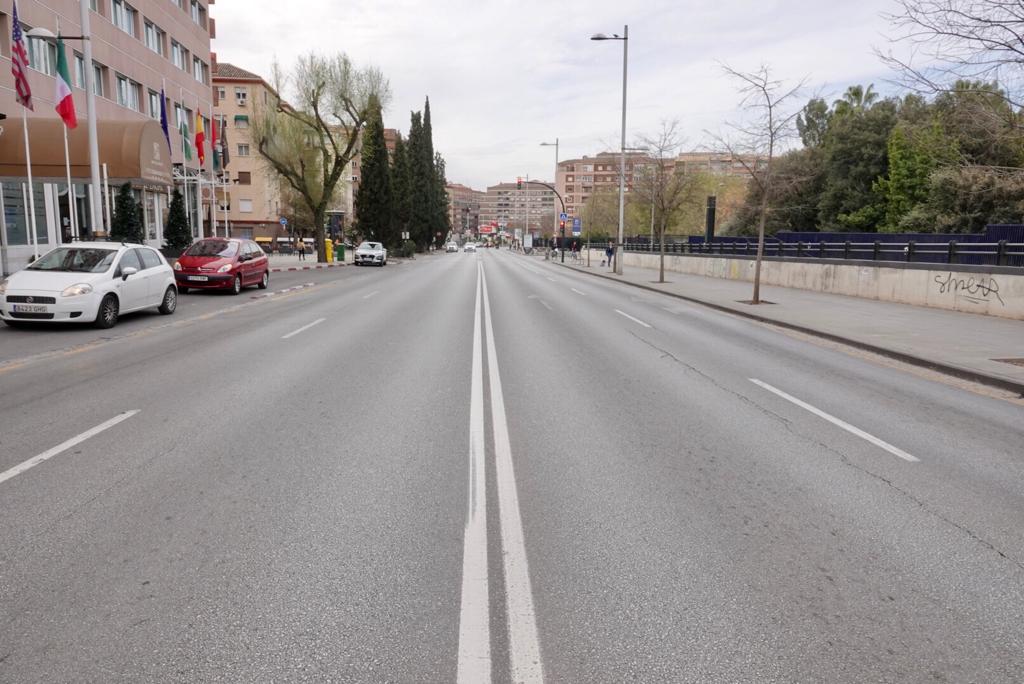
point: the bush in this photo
(177, 233)
(126, 225)
(406, 249)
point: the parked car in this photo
(222, 264)
(89, 281)
(469, 247)
(372, 253)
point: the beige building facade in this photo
(139, 47)
(464, 208)
(530, 208)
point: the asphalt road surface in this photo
(484, 467)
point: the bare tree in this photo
(310, 144)
(754, 143)
(663, 182)
(980, 40)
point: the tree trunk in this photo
(319, 216)
(661, 231)
(756, 299)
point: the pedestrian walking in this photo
(609, 252)
(301, 247)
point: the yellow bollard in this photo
(329, 249)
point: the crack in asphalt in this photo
(844, 459)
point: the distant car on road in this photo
(222, 264)
(89, 281)
(372, 253)
(469, 247)
(451, 247)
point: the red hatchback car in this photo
(223, 264)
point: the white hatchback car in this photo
(89, 281)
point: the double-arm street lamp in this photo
(95, 204)
(622, 160)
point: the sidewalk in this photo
(291, 262)
(961, 344)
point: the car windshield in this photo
(213, 248)
(370, 245)
(76, 260)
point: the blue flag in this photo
(163, 121)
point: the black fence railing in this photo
(1001, 253)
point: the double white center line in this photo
(474, 665)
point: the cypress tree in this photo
(177, 233)
(126, 225)
(421, 175)
(374, 204)
(400, 185)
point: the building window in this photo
(243, 150)
(94, 5)
(123, 16)
(197, 69)
(221, 93)
(241, 121)
(155, 38)
(241, 96)
(154, 105)
(198, 13)
(244, 178)
(99, 78)
(128, 92)
(180, 3)
(179, 55)
(42, 55)
(245, 206)
(79, 71)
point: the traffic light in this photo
(519, 183)
(561, 224)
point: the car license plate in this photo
(200, 279)
(29, 308)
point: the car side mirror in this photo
(128, 271)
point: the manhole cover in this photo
(1015, 362)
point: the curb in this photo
(945, 368)
(284, 269)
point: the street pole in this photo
(622, 159)
(95, 205)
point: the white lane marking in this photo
(578, 292)
(304, 328)
(551, 279)
(669, 309)
(524, 647)
(64, 446)
(371, 294)
(635, 320)
(546, 305)
(474, 614)
(896, 451)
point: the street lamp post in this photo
(622, 160)
(555, 145)
(95, 198)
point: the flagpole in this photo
(72, 201)
(31, 191)
(184, 159)
(199, 175)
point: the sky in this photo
(503, 77)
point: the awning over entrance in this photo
(135, 150)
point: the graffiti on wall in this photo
(980, 290)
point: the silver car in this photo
(372, 253)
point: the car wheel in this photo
(170, 302)
(236, 285)
(106, 315)
(264, 281)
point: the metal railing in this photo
(1001, 253)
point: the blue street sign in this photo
(577, 226)
(563, 217)
(284, 221)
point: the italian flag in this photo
(65, 103)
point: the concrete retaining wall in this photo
(993, 292)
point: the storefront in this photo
(134, 152)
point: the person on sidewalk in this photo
(609, 252)
(301, 247)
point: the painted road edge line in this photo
(578, 292)
(304, 328)
(64, 446)
(474, 611)
(371, 294)
(635, 320)
(852, 429)
(523, 646)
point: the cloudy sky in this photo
(504, 76)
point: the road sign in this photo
(563, 216)
(577, 226)
(284, 221)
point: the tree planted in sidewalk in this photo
(755, 142)
(126, 223)
(374, 199)
(177, 233)
(310, 142)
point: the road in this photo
(485, 467)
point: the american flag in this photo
(19, 62)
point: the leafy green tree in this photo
(914, 154)
(126, 224)
(812, 122)
(374, 201)
(442, 218)
(421, 172)
(177, 233)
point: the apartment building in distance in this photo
(139, 47)
(531, 208)
(464, 207)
